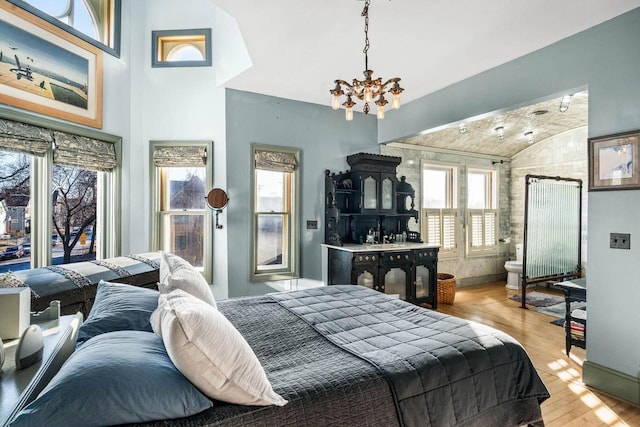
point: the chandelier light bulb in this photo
(335, 102)
(367, 94)
(381, 102)
(348, 114)
(395, 101)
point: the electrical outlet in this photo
(619, 241)
(312, 225)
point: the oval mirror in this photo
(217, 198)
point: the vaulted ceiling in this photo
(543, 119)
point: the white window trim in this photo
(452, 201)
(293, 249)
(491, 207)
(157, 214)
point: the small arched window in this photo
(185, 52)
(181, 48)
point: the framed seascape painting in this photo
(47, 70)
(614, 162)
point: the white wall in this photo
(142, 103)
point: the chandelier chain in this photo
(365, 13)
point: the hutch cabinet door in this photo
(365, 270)
(387, 193)
(426, 277)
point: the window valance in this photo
(82, 152)
(69, 149)
(23, 138)
(180, 156)
(275, 161)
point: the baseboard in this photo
(481, 280)
(612, 382)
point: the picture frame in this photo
(46, 70)
(614, 162)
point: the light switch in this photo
(620, 241)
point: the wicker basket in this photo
(446, 288)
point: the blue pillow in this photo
(119, 307)
(115, 378)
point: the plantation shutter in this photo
(475, 228)
(433, 226)
(83, 152)
(180, 156)
(449, 229)
(23, 138)
(482, 228)
(278, 161)
(441, 228)
(490, 228)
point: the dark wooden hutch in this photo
(367, 236)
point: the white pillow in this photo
(210, 351)
(176, 273)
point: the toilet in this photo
(514, 269)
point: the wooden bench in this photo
(74, 285)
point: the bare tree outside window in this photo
(74, 202)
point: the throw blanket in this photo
(461, 370)
(350, 356)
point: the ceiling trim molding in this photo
(447, 151)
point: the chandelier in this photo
(368, 89)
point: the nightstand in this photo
(19, 387)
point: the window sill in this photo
(294, 284)
(484, 254)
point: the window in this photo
(181, 224)
(95, 21)
(439, 207)
(482, 213)
(181, 48)
(275, 223)
(57, 195)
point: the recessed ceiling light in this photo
(540, 112)
(564, 103)
(500, 132)
(529, 136)
(462, 128)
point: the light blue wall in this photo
(324, 138)
(606, 60)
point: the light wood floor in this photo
(571, 402)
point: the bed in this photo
(340, 355)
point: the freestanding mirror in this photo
(217, 199)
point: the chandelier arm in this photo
(342, 82)
(393, 80)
